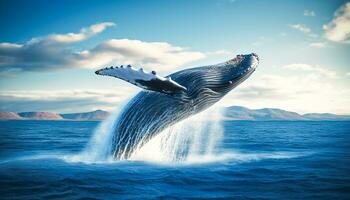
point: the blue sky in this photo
(49, 50)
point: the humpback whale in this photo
(167, 100)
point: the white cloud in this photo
(64, 101)
(82, 35)
(54, 53)
(318, 44)
(309, 13)
(338, 30)
(348, 73)
(304, 29)
(44, 53)
(303, 92)
(160, 56)
(316, 70)
(300, 27)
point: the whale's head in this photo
(223, 77)
(232, 72)
(237, 69)
(206, 85)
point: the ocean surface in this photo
(238, 160)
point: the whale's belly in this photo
(147, 114)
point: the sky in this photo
(49, 50)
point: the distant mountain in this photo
(9, 115)
(96, 115)
(230, 113)
(326, 116)
(270, 114)
(40, 115)
(242, 113)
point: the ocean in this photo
(233, 160)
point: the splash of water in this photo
(195, 138)
(192, 141)
(99, 147)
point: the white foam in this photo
(197, 136)
(98, 149)
(239, 157)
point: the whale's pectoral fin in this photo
(143, 79)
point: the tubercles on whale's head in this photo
(241, 66)
(248, 61)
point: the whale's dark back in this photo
(148, 113)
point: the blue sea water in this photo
(253, 160)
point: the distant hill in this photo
(40, 115)
(242, 113)
(9, 115)
(270, 114)
(96, 115)
(326, 116)
(230, 113)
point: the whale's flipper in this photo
(143, 79)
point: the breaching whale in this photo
(168, 100)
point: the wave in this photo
(240, 157)
(229, 156)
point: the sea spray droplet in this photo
(99, 147)
(193, 139)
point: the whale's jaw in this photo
(224, 77)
